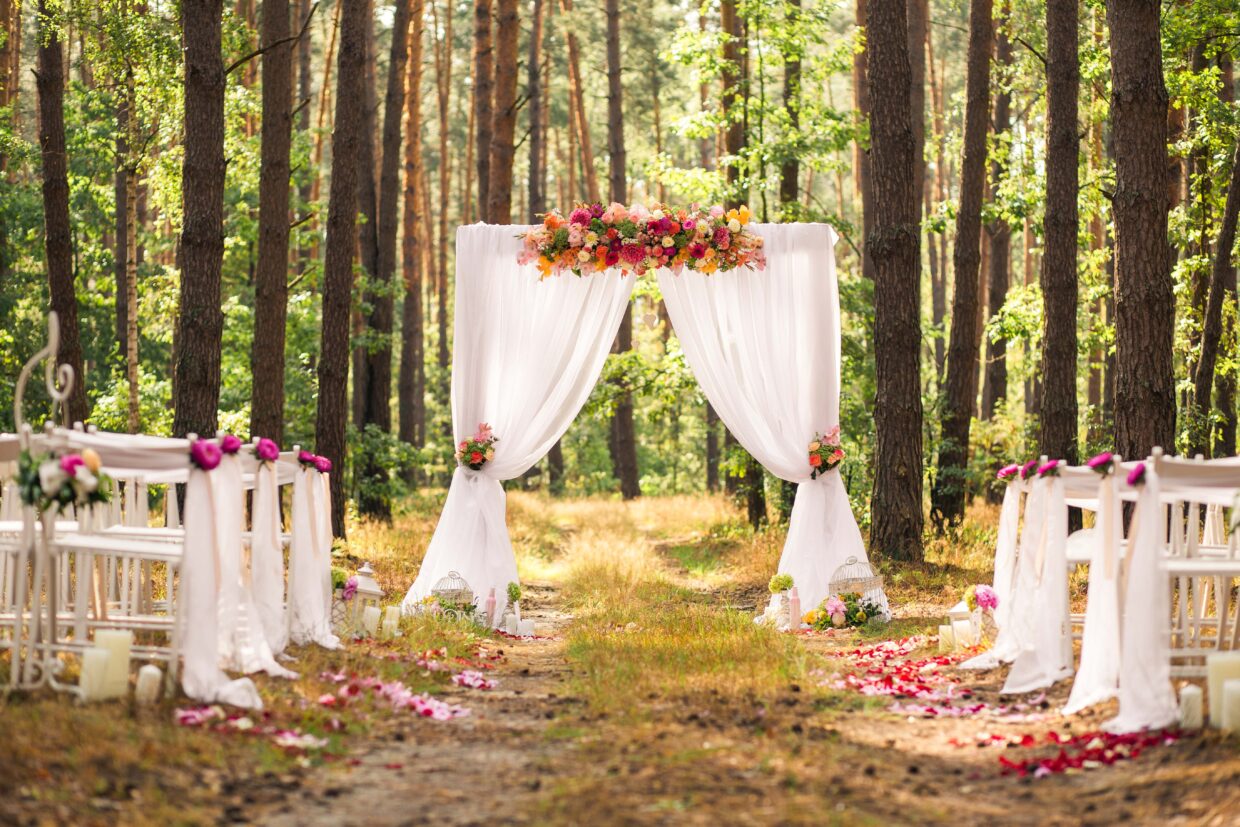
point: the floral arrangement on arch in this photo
(638, 239)
(51, 483)
(479, 449)
(825, 452)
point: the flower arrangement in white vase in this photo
(780, 585)
(982, 602)
(512, 615)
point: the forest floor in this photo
(648, 697)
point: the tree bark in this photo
(368, 205)
(790, 170)
(411, 386)
(1144, 305)
(893, 245)
(938, 265)
(1225, 380)
(135, 211)
(950, 484)
(1212, 329)
(577, 104)
(712, 449)
(200, 320)
(917, 24)
(1058, 415)
(271, 277)
(504, 114)
(443, 80)
(120, 190)
(483, 90)
(994, 388)
(862, 161)
(332, 411)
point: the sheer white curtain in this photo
(310, 562)
(765, 347)
(526, 355)
(267, 558)
(1005, 549)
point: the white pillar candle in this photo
(370, 620)
(392, 613)
(1220, 667)
(94, 673)
(389, 628)
(526, 628)
(118, 643)
(1231, 705)
(1190, 707)
(947, 640)
(150, 679)
(513, 625)
(962, 633)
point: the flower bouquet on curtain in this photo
(50, 484)
(479, 449)
(825, 453)
(982, 602)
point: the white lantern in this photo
(348, 617)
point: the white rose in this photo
(668, 241)
(734, 225)
(51, 477)
(583, 256)
(85, 481)
(657, 215)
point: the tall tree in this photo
(893, 244)
(200, 318)
(623, 436)
(994, 386)
(377, 409)
(534, 94)
(504, 114)
(333, 374)
(948, 496)
(790, 169)
(917, 23)
(1225, 380)
(443, 91)
(483, 88)
(58, 245)
(368, 205)
(1144, 302)
(577, 104)
(271, 277)
(863, 160)
(1212, 329)
(1058, 415)
(411, 384)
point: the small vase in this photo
(783, 620)
(985, 621)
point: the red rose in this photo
(815, 460)
(475, 457)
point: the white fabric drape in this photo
(309, 565)
(765, 347)
(1045, 655)
(243, 643)
(1097, 678)
(267, 558)
(201, 676)
(526, 355)
(1146, 698)
(1005, 550)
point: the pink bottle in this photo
(490, 607)
(794, 609)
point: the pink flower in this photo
(323, 465)
(579, 216)
(484, 432)
(1007, 471)
(267, 450)
(697, 250)
(1102, 463)
(69, 463)
(716, 211)
(722, 237)
(230, 444)
(206, 455)
(475, 457)
(834, 605)
(1028, 468)
(349, 590)
(328, 699)
(838, 455)
(305, 457)
(1049, 468)
(1137, 475)
(832, 436)
(985, 597)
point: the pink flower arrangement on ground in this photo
(473, 680)
(638, 239)
(214, 718)
(395, 693)
(479, 449)
(825, 452)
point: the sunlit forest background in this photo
(756, 101)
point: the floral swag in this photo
(638, 239)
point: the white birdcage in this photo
(856, 576)
(454, 596)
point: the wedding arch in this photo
(764, 345)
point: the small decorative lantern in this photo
(368, 595)
(454, 596)
(857, 576)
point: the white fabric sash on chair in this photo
(527, 354)
(201, 677)
(765, 347)
(1005, 550)
(309, 567)
(1097, 678)
(1146, 698)
(267, 558)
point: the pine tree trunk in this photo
(1144, 304)
(994, 387)
(347, 139)
(504, 114)
(1212, 330)
(534, 92)
(917, 12)
(135, 212)
(443, 80)
(1225, 380)
(863, 156)
(483, 90)
(271, 277)
(892, 245)
(368, 205)
(411, 386)
(938, 268)
(790, 170)
(200, 320)
(950, 484)
(377, 409)
(577, 103)
(712, 448)
(120, 192)
(1058, 415)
